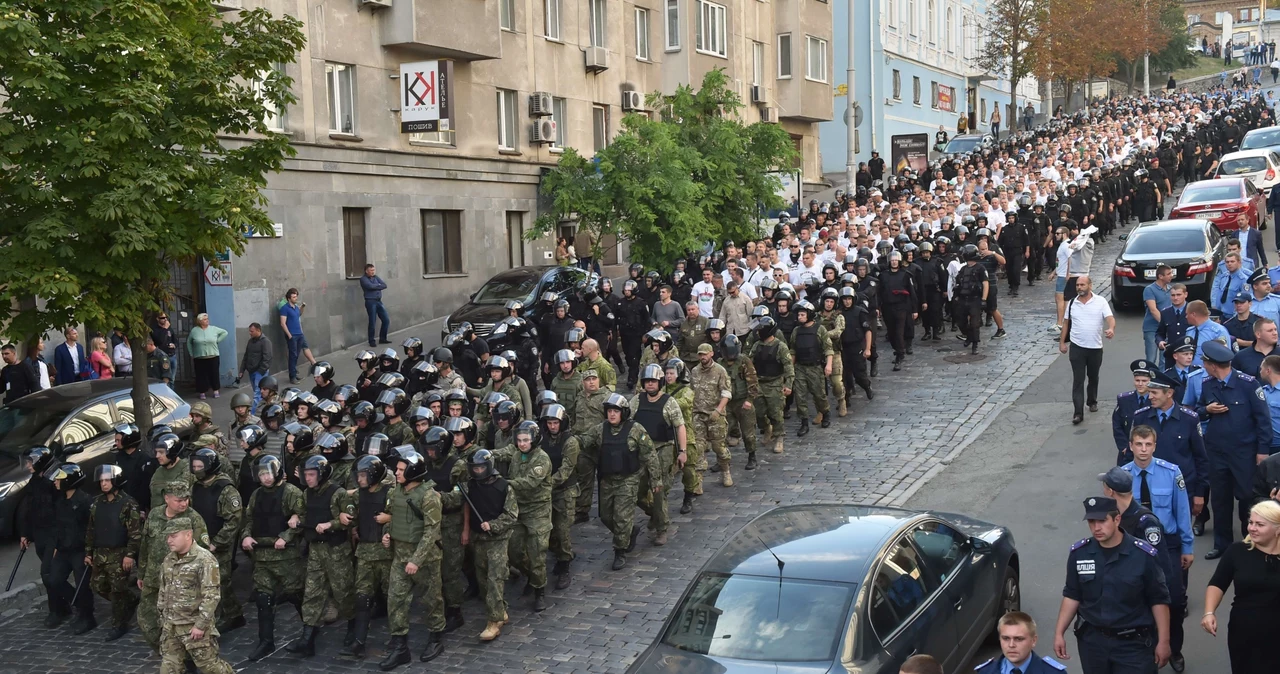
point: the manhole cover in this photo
(962, 358)
(945, 348)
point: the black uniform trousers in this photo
(1035, 264)
(1171, 552)
(631, 343)
(68, 570)
(1146, 212)
(44, 550)
(1013, 263)
(969, 316)
(932, 317)
(896, 317)
(1102, 654)
(855, 368)
(1231, 493)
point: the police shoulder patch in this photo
(234, 501)
(1127, 394)
(1054, 663)
(1262, 395)
(1153, 535)
(1245, 377)
(1144, 546)
(1140, 410)
(1080, 544)
(539, 471)
(1189, 410)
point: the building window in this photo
(897, 85)
(507, 14)
(559, 115)
(712, 28)
(915, 90)
(673, 25)
(341, 99)
(816, 61)
(442, 242)
(891, 10)
(600, 126)
(911, 18)
(597, 16)
(642, 34)
(757, 63)
(982, 113)
(354, 246)
(274, 117)
(552, 31)
(784, 56)
(931, 19)
(950, 29)
(515, 239)
(508, 115)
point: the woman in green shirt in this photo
(202, 344)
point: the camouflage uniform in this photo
(746, 388)
(152, 550)
(451, 470)
(695, 461)
(415, 538)
(693, 333)
(373, 561)
(811, 380)
(588, 415)
(608, 376)
(209, 435)
(655, 505)
(341, 474)
(450, 381)
(277, 573)
(237, 454)
(490, 547)
(224, 540)
(178, 471)
(530, 479)
(329, 561)
(567, 389)
(648, 357)
(399, 433)
(618, 489)
(564, 492)
(710, 383)
(110, 579)
(515, 388)
(833, 323)
(188, 598)
(772, 356)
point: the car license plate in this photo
(1208, 215)
(1149, 274)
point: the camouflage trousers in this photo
(373, 569)
(585, 474)
(710, 428)
(491, 573)
(769, 405)
(618, 506)
(229, 607)
(149, 614)
(530, 538)
(454, 582)
(176, 646)
(112, 583)
(743, 421)
(695, 462)
(278, 577)
(562, 511)
(655, 505)
(811, 384)
(837, 375)
(330, 572)
(400, 590)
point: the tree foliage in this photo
(669, 185)
(1012, 36)
(1078, 41)
(113, 165)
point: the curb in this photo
(21, 599)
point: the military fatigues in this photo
(746, 389)
(567, 388)
(624, 453)
(277, 574)
(775, 372)
(515, 389)
(415, 538)
(608, 376)
(588, 415)
(218, 502)
(563, 451)
(212, 437)
(661, 419)
(442, 475)
(692, 334)
(833, 323)
(494, 503)
(812, 348)
(114, 533)
(178, 471)
(695, 461)
(530, 478)
(329, 563)
(373, 561)
(399, 433)
(152, 550)
(189, 598)
(710, 383)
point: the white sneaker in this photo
(1055, 328)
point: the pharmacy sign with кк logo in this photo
(426, 96)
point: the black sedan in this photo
(487, 305)
(820, 588)
(82, 415)
(1193, 248)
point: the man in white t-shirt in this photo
(704, 293)
(1089, 320)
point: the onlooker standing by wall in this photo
(99, 359)
(291, 323)
(1088, 319)
(1250, 566)
(35, 360)
(585, 245)
(166, 341)
(18, 377)
(373, 287)
(122, 356)
(202, 344)
(256, 360)
(70, 362)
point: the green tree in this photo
(1012, 37)
(696, 174)
(113, 162)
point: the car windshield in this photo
(507, 287)
(959, 145)
(760, 618)
(1203, 194)
(1261, 139)
(1156, 241)
(1234, 167)
(23, 427)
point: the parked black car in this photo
(487, 305)
(83, 414)
(1192, 247)
(818, 588)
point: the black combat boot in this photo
(826, 419)
(804, 427)
(397, 654)
(686, 506)
(619, 559)
(539, 599)
(453, 618)
(434, 647)
(875, 368)
(358, 628)
(57, 613)
(751, 460)
(304, 645)
(561, 572)
(266, 627)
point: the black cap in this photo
(1187, 343)
(1215, 352)
(1162, 380)
(1099, 507)
(1257, 275)
(1117, 479)
(1142, 367)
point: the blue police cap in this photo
(1117, 479)
(1162, 380)
(1187, 343)
(1142, 367)
(1242, 296)
(1215, 352)
(1099, 507)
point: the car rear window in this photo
(760, 618)
(1234, 167)
(1156, 241)
(1260, 139)
(959, 145)
(1201, 194)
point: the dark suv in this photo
(487, 305)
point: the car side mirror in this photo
(72, 449)
(472, 296)
(980, 546)
(1124, 237)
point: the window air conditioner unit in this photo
(375, 4)
(540, 104)
(597, 59)
(757, 94)
(769, 115)
(544, 131)
(633, 101)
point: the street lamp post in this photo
(851, 161)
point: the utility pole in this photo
(1146, 56)
(851, 161)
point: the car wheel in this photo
(1010, 592)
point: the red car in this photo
(1226, 202)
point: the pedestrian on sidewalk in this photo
(1250, 566)
(1088, 320)
(995, 122)
(291, 323)
(372, 285)
(202, 344)
(166, 341)
(256, 361)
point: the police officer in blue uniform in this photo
(1115, 593)
(1264, 303)
(1173, 321)
(1181, 368)
(1017, 643)
(1179, 438)
(1127, 403)
(1237, 438)
(1204, 330)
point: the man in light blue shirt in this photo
(1203, 330)
(1227, 285)
(1270, 375)
(1155, 298)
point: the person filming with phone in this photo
(291, 323)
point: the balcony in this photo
(465, 30)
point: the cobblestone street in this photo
(881, 453)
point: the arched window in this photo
(949, 31)
(911, 18)
(931, 19)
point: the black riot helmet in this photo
(252, 437)
(412, 347)
(128, 435)
(766, 327)
(323, 370)
(396, 399)
(372, 468)
(676, 365)
(377, 444)
(436, 442)
(321, 465)
(333, 446)
(480, 465)
(391, 380)
(415, 465)
(346, 395)
(269, 465)
(330, 413)
(157, 431)
(38, 459)
(364, 410)
(421, 413)
(366, 358)
(205, 462)
(531, 429)
(732, 347)
(110, 472)
(169, 444)
(508, 411)
(617, 401)
(546, 397)
(422, 376)
(969, 253)
(462, 426)
(274, 413)
(389, 361)
(556, 412)
(303, 438)
(652, 372)
(70, 475)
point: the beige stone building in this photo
(441, 212)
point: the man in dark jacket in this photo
(256, 360)
(18, 377)
(70, 360)
(372, 286)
